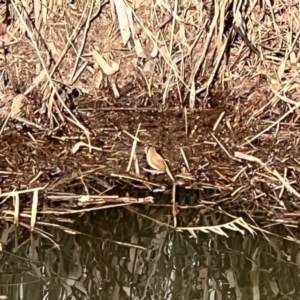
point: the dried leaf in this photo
(293, 58)
(138, 46)
(44, 11)
(154, 51)
(84, 198)
(98, 79)
(106, 68)
(17, 104)
(219, 228)
(123, 20)
(37, 9)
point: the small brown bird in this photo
(156, 162)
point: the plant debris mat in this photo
(208, 149)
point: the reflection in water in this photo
(98, 262)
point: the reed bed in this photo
(87, 85)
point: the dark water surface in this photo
(124, 254)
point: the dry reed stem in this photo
(29, 32)
(184, 44)
(133, 149)
(79, 53)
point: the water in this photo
(125, 254)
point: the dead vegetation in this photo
(212, 85)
